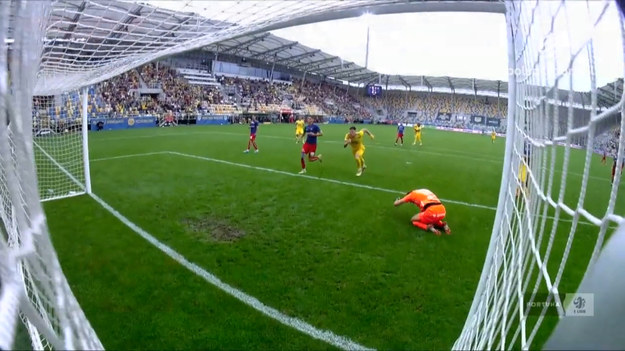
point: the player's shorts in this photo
(309, 148)
(523, 174)
(400, 135)
(252, 137)
(359, 150)
(432, 214)
(299, 132)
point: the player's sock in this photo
(313, 158)
(433, 230)
(303, 163)
(362, 162)
(358, 164)
(255, 147)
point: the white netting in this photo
(552, 210)
(58, 144)
(31, 281)
(91, 41)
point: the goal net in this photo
(34, 294)
(557, 207)
(553, 208)
(59, 144)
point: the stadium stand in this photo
(189, 91)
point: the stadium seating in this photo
(192, 91)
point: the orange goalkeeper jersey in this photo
(422, 198)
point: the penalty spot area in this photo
(210, 229)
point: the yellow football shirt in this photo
(417, 129)
(356, 141)
(299, 125)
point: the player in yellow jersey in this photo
(523, 176)
(299, 130)
(493, 135)
(417, 134)
(355, 139)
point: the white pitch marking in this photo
(452, 153)
(329, 180)
(376, 146)
(129, 156)
(323, 335)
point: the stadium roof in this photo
(88, 41)
(268, 48)
(295, 56)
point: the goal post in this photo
(35, 150)
(85, 138)
(554, 217)
(60, 137)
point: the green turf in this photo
(337, 256)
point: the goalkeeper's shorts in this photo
(433, 214)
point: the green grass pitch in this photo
(335, 255)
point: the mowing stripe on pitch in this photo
(329, 180)
(454, 153)
(451, 153)
(323, 335)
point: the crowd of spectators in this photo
(397, 105)
(122, 96)
(331, 100)
(607, 143)
(255, 94)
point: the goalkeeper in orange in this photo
(355, 139)
(432, 211)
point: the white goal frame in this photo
(85, 185)
(31, 278)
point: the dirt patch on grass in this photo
(213, 229)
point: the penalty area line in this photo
(328, 180)
(129, 156)
(295, 323)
